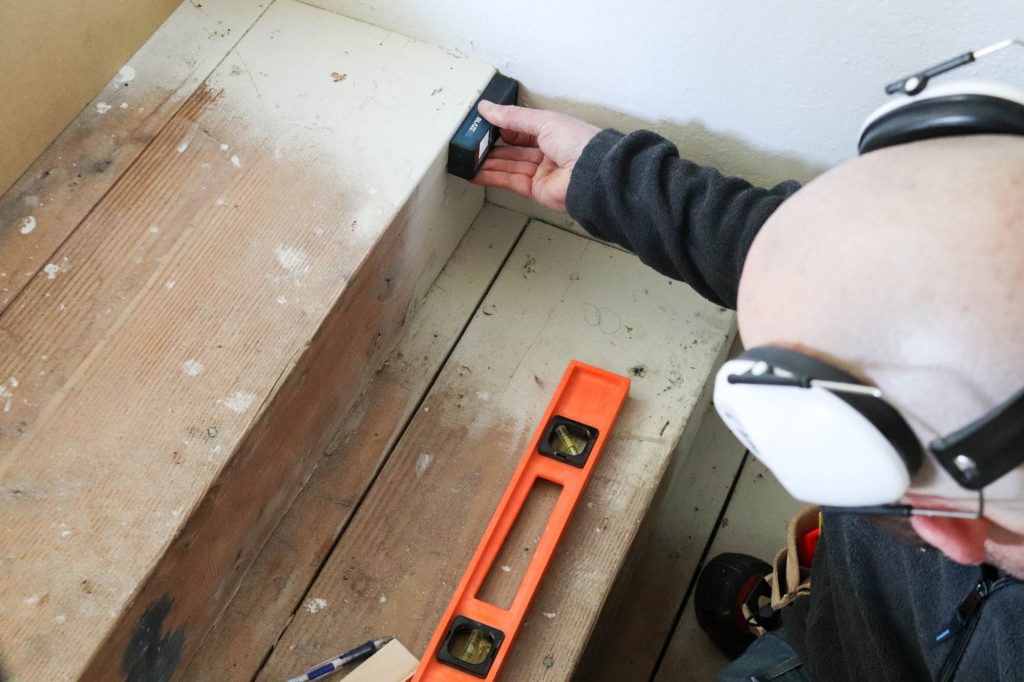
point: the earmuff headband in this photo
(987, 448)
(962, 108)
(946, 116)
(911, 85)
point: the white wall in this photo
(764, 89)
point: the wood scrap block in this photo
(393, 663)
(171, 374)
(559, 296)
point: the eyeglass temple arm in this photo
(915, 83)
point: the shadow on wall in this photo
(696, 141)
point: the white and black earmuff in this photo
(824, 433)
(828, 437)
(966, 107)
(923, 111)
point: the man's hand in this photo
(540, 151)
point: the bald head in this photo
(905, 266)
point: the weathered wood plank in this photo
(274, 586)
(640, 614)
(559, 296)
(515, 202)
(180, 360)
(41, 209)
(520, 204)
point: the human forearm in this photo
(686, 221)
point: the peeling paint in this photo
(193, 368)
(239, 402)
(291, 258)
(126, 74)
(316, 604)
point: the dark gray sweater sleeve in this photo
(686, 221)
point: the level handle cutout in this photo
(507, 571)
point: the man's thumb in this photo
(510, 117)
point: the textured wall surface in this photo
(767, 90)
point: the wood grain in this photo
(174, 386)
(274, 587)
(641, 611)
(558, 297)
(70, 176)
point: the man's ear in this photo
(962, 540)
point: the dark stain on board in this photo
(151, 655)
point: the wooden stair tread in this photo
(276, 584)
(559, 296)
(175, 366)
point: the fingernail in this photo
(485, 104)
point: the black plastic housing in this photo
(445, 655)
(475, 137)
(588, 433)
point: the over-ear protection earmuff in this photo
(957, 108)
(829, 437)
(833, 439)
(922, 111)
(823, 432)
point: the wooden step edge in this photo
(277, 583)
(199, 572)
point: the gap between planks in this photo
(641, 615)
(753, 521)
(542, 310)
(277, 585)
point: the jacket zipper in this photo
(965, 620)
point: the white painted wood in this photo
(633, 632)
(755, 522)
(515, 202)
